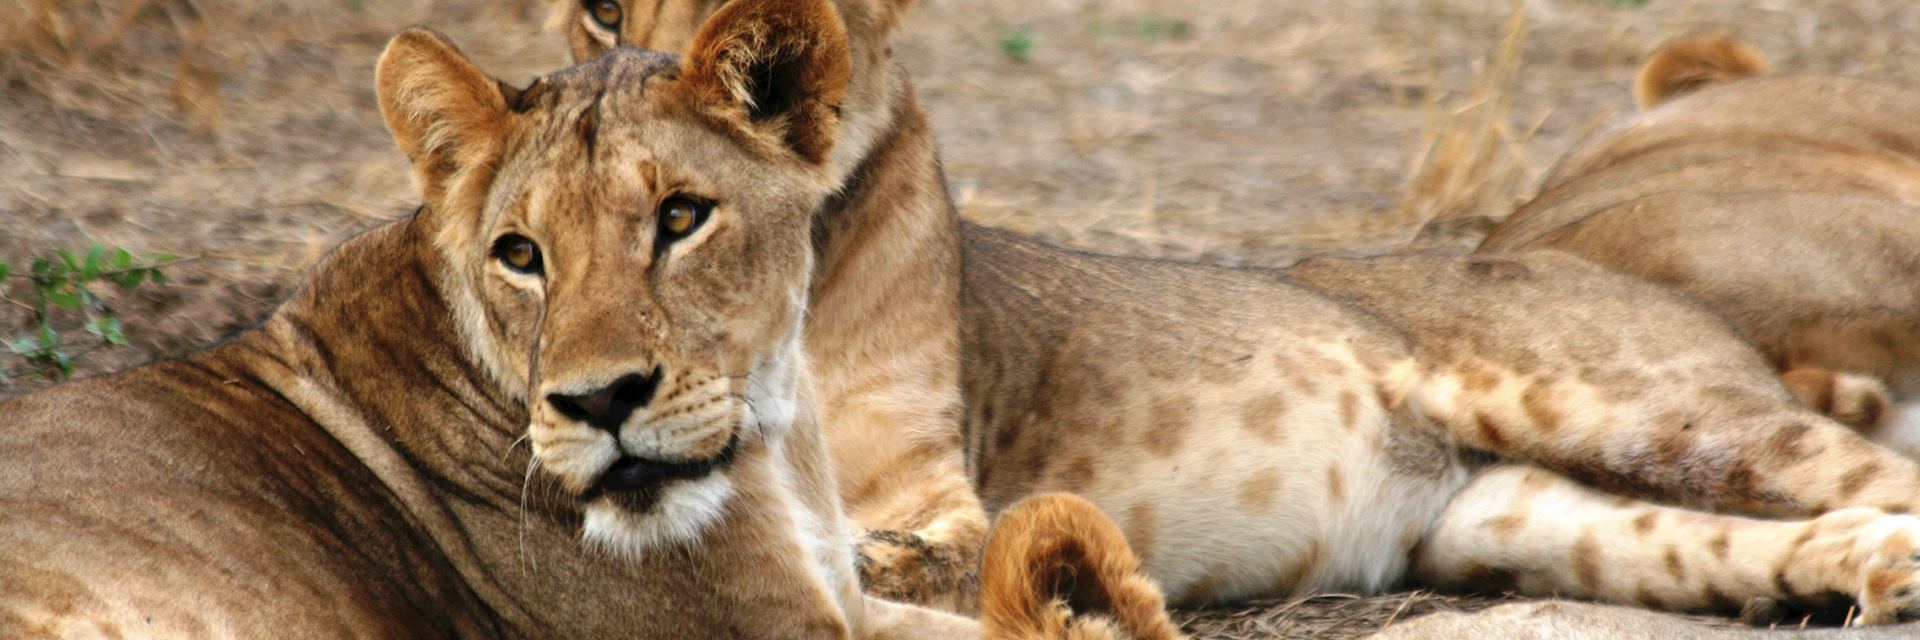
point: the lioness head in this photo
(626, 246)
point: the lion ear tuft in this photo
(1685, 66)
(444, 112)
(776, 69)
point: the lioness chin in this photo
(1523, 422)
(614, 261)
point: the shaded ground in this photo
(1232, 131)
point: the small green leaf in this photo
(163, 259)
(156, 276)
(66, 257)
(122, 259)
(130, 278)
(90, 266)
(112, 331)
(23, 346)
(1018, 44)
(5, 270)
(64, 362)
(63, 299)
(49, 338)
(43, 267)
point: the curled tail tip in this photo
(1057, 568)
(1684, 66)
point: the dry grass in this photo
(1232, 131)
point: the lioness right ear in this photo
(444, 112)
(774, 70)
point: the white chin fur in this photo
(685, 511)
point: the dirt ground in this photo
(1232, 131)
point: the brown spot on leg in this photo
(1490, 433)
(1507, 525)
(1675, 567)
(1490, 580)
(1202, 592)
(1538, 401)
(1256, 494)
(1077, 475)
(1262, 417)
(1721, 544)
(1336, 487)
(1857, 479)
(1643, 524)
(1349, 409)
(1785, 445)
(1307, 562)
(1168, 424)
(1585, 559)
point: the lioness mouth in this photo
(635, 483)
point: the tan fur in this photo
(1790, 205)
(1263, 432)
(1687, 65)
(349, 468)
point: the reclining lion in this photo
(612, 263)
(1789, 204)
(1525, 422)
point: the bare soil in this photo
(1230, 131)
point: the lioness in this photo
(1344, 424)
(614, 262)
(1788, 204)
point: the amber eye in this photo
(518, 253)
(605, 12)
(679, 217)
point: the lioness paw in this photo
(1889, 580)
(906, 567)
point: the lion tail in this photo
(1058, 568)
(1684, 66)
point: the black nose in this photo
(608, 407)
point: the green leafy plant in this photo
(60, 293)
(1018, 43)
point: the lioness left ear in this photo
(774, 68)
(444, 112)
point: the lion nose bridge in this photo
(599, 360)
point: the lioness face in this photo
(629, 241)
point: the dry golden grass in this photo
(1231, 131)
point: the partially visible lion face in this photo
(628, 247)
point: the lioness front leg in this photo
(922, 530)
(1538, 533)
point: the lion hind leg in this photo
(1718, 445)
(1532, 531)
